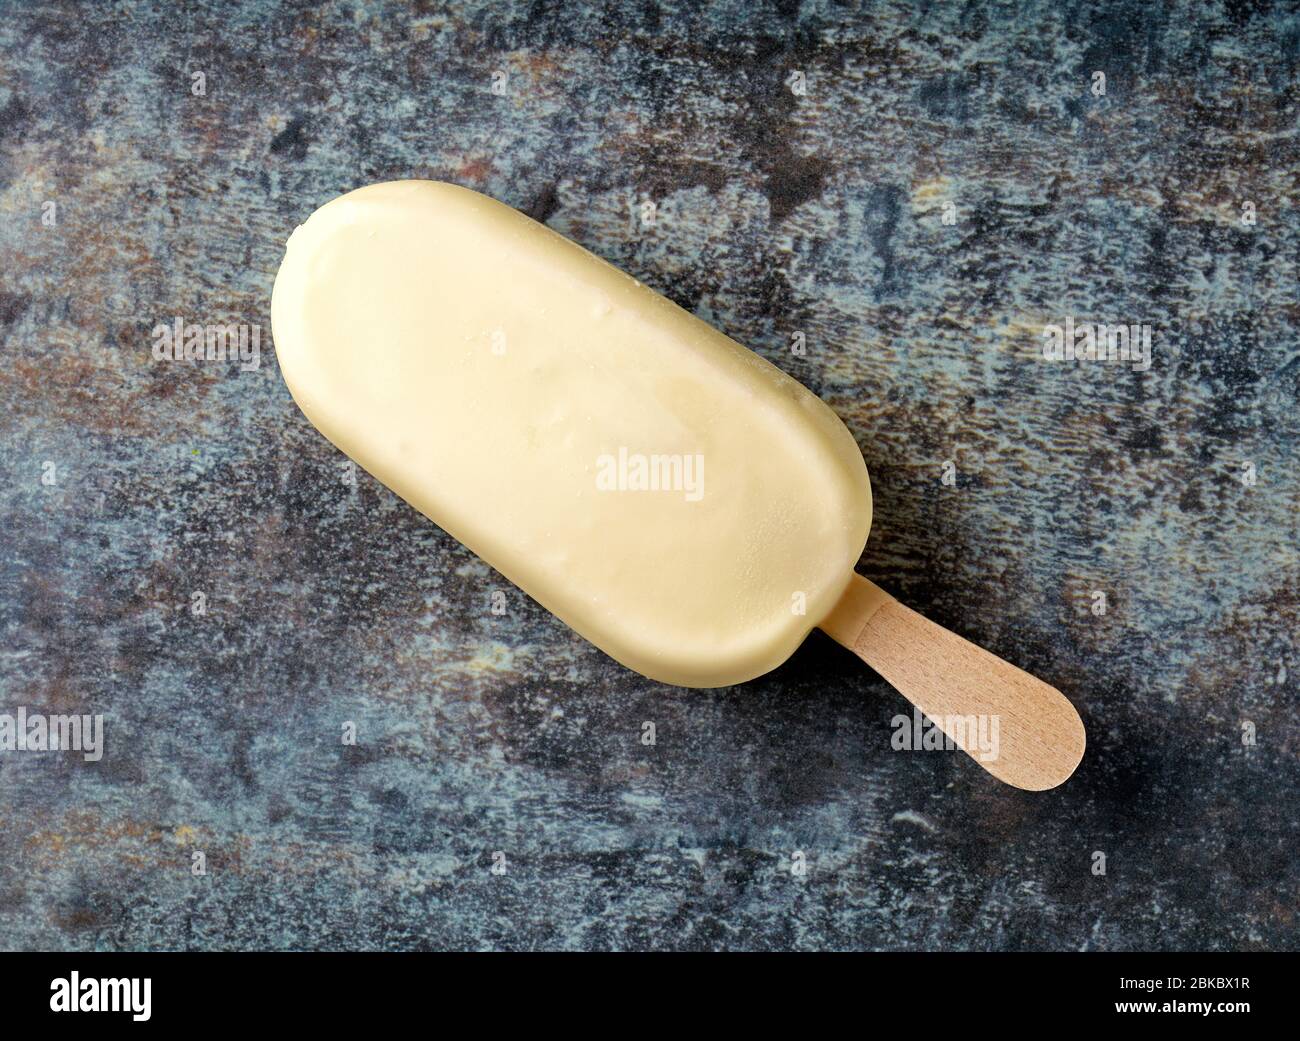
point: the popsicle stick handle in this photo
(1018, 728)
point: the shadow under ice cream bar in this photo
(488, 369)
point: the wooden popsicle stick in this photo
(1039, 735)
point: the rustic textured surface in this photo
(778, 213)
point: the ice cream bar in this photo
(673, 497)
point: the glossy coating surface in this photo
(676, 499)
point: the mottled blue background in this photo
(778, 214)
